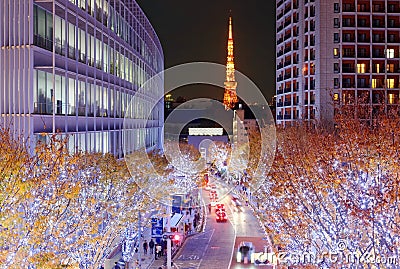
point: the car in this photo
(222, 217)
(213, 196)
(237, 204)
(234, 197)
(219, 211)
(245, 252)
(220, 206)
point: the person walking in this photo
(158, 250)
(151, 245)
(145, 245)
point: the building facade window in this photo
(391, 98)
(336, 38)
(390, 53)
(336, 7)
(390, 83)
(361, 68)
(336, 23)
(336, 83)
(336, 52)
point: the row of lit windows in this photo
(362, 68)
(390, 53)
(77, 97)
(116, 142)
(102, 11)
(79, 45)
(389, 83)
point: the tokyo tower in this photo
(230, 97)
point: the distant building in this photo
(344, 51)
(244, 122)
(72, 67)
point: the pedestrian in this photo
(158, 250)
(145, 247)
(151, 245)
(209, 208)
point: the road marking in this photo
(209, 240)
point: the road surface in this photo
(216, 247)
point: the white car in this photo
(245, 252)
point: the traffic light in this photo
(177, 237)
(173, 236)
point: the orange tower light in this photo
(230, 97)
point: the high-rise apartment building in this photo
(72, 67)
(344, 51)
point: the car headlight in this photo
(239, 257)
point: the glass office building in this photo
(72, 67)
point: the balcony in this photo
(279, 104)
(279, 117)
(288, 63)
(378, 8)
(348, 24)
(287, 117)
(287, 89)
(280, 91)
(280, 78)
(287, 49)
(393, 39)
(287, 76)
(393, 8)
(287, 103)
(378, 24)
(378, 55)
(348, 39)
(379, 39)
(349, 54)
(363, 39)
(348, 8)
(279, 66)
(288, 22)
(280, 53)
(347, 69)
(347, 85)
(288, 36)
(42, 42)
(279, 41)
(363, 85)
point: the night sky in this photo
(197, 30)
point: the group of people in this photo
(156, 249)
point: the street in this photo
(217, 246)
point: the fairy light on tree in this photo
(328, 190)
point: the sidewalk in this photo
(159, 263)
(148, 261)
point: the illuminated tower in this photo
(230, 97)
